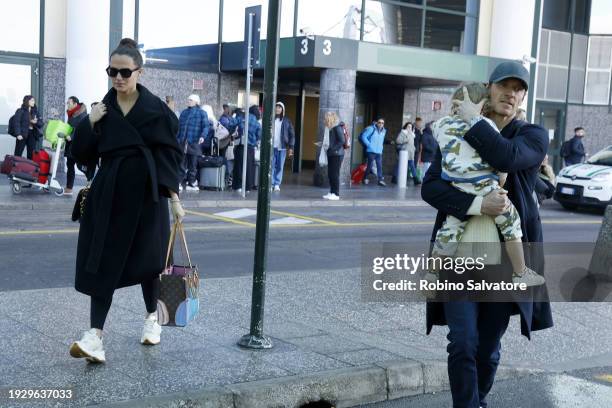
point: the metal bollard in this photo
(402, 169)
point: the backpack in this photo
(347, 136)
(566, 149)
(12, 125)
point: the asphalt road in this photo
(37, 248)
(590, 388)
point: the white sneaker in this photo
(190, 187)
(276, 188)
(326, 196)
(180, 188)
(333, 197)
(89, 347)
(239, 191)
(151, 332)
(529, 277)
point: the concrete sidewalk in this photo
(328, 345)
(291, 195)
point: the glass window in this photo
(601, 15)
(560, 43)
(341, 19)
(553, 65)
(464, 6)
(556, 84)
(449, 32)
(599, 63)
(541, 85)
(163, 24)
(578, 68)
(392, 24)
(15, 82)
(20, 27)
(557, 15)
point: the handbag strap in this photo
(178, 227)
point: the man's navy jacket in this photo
(519, 151)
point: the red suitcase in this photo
(20, 167)
(43, 160)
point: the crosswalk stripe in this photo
(237, 214)
(290, 221)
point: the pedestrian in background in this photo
(373, 137)
(429, 146)
(573, 149)
(545, 183)
(405, 140)
(418, 135)
(283, 142)
(76, 112)
(125, 228)
(335, 154)
(193, 129)
(172, 105)
(28, 125)
(253, 139)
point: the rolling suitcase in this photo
(211, 172)
(20, 167)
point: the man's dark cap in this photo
(510, 69)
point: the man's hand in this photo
(466, 109)
(290, 152)
(201, 140)
(68, 138)
(19, 137)
(495, 203)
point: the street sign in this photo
(255, 34)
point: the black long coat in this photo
(126, 225)
(519, 151)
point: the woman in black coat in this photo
(125, 226)
(27, 127)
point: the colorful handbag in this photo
(178, 302)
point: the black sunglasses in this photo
(125, 72)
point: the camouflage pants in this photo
(449, 235)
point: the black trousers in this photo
(101, 306)
(333, 173)
(70, 174)
(189, 166)
(250, 174)
(28, 141)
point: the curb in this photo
(190, 204)
(346, 387)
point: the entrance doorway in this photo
(551, 116)
(18, 77)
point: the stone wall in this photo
(419, 103)
(337, 94)
(54, 89)
(597, 123)
(179, 84)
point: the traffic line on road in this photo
(220, 218)
(604, 377)
(39, 232)
(303, 217)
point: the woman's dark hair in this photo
(26, 100)
(254, 110)
(129, 47)
(406, 125)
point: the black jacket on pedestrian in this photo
(22, 122)
(74, 121)
(125, 227)
(336, 141)
(519, 151)
(287, 131)
(428, 146)
(576, 149)
(418, 135)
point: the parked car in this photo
(586, 184)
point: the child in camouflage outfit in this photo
(463, 167)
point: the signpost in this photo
(256, 338)
(252, 26)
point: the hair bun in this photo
(128, 42)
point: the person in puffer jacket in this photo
(373, 138)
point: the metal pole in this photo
(535, 46)
(256, 339)
(245, 134)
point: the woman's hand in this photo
(177, 208)
(97, 113)
(19, 137)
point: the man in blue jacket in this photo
(193, 128)
(476, 328)
(574, 153)
(373, 138)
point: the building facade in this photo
(361, 58)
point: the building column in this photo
(337, 94)
(87, 45)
